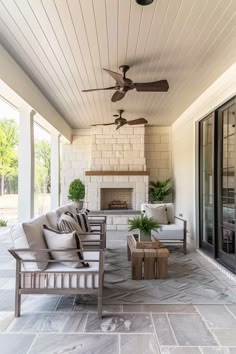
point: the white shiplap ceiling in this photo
(64, 44)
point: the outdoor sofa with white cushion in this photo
(174, 230)
(38, 273)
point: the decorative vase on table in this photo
(144, 236)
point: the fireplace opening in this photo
(116, 198)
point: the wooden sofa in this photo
(173, 232)
(58, 278)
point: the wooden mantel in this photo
(116, 173)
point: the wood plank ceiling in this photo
(64, 44)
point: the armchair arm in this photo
(15, 253)
(185, 232)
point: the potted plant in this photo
(159, 190)
(77, 192)
(145, 226)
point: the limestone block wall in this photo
(75, 160)
(158, 152)
(118, 150)
(153, 153)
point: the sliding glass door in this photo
(226, 186)
(217, 184)
(206, 184)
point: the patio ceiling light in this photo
(144, 2)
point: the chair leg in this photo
(185, 246)
(100, 306)
(17, 304)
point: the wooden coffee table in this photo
(148, 261)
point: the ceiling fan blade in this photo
(156, 86)
(137, 121)
(117, 96)
(99, 89)
(95, 125)
(116, 76)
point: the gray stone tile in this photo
(217, 316)
(49, 322)
(138, 344)
(39, 303)
(159, 308)
(226, 337)
(66, 303)
(163, 330)
(7, 300)
(216, 350)
(94, 308)
(15, 343)
(190, 330)
(75, 323)
(121, 323)
(232, 308)
(180, 350)
(76, 343)
(5, 319)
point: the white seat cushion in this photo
(169, 232)
(60, 278)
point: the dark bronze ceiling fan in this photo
(123, 84)
(120, 121)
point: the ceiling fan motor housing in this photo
(144, 2)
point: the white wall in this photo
(184, 144)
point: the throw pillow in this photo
(68, 222)
(82, 219)
(158, 213)
(35, 239)
(60, 240)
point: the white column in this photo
(55, 170)
(26, 166)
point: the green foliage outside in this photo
(144, 224)
(8, 151)
(159, 190)
(42, 150)
(76, 190)
(9, 160)
(3, 222)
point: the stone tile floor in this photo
(55, 324)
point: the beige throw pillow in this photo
(35, 238)
(158, 213)
(60, 240)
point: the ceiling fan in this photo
(120, 121)
(123, 85)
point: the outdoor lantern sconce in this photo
(144, 2)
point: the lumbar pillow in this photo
(35, 239)
(158, 213)
(60, 240)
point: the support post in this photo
(55, 170)
(26, 166)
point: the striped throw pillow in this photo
(68, 222)
(82, 219)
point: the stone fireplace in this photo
(118, 168)
(116, 198)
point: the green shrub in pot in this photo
(77, 192)
(159, 190)
(145, 225)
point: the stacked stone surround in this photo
(78, 157)
(158, 152)
(93, 185)
(118, 150)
